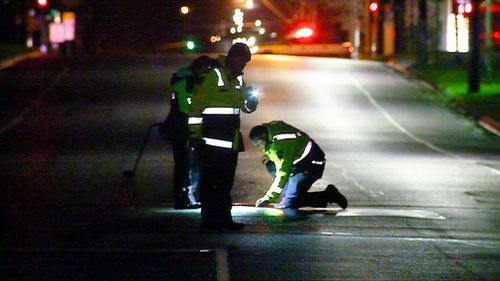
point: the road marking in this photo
(484, 243)
(379, 212)
(30, 107)
(408, 133)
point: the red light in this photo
(465, 8)
(496, 35)
(304, 32)
(42, 3)
(373, 7)
(468, 7)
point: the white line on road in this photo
(408, 133)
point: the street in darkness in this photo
(422, 181)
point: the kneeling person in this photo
(295, 162)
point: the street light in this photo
(184, 10)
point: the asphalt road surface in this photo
(422, 181)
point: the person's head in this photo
(237, 58)
(201, 64)
(258, 136)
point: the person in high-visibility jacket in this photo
(175, 130)
(295, 162)
(215, 107)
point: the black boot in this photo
(334, 196)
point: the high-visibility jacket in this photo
(175, 127)
(292, 151)
(215, 105)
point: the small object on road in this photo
(125, 188)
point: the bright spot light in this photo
(232, 30)
(239, 29)
(258, 23)
(273, 212)
(468, 7)
(273, 35)
(190, 45)
(254, 49)
(251, 41)
(29, 42)
(184, 10)
(249, 4)
(262, 31)
(254, 92)
(373, 7)
(213, 38)
(304, 32)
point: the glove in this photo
(262, 202)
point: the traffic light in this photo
(42, 3)
(373, 6)
(190, 45)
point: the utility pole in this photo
(488, 42)
(474, 49)
(422, 32)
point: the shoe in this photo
(334, 196)
(235, 226)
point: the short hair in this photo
(240, 50)
(258, 133)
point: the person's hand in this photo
(262, 202)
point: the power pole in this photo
(422, 32)
(474, 49)
(488, 42)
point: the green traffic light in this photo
(190, 45)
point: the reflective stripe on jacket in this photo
(292, 151)
(217, 100)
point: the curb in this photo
(12, 61)
(484, 121)
(490, 124)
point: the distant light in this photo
(373, 7)
(184, 10)
(468, 7)
(304, 32)
(273, 35)
(249, 4)
(251, 40)
(190, 45)
(258, 23)
(239, 29)
(42, 3)
(254, 49)
(29, 42)
(262, 31)
(232, 30)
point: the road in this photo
(422, 181)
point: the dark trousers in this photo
(181, 173)
(216, 181)
(296, 192)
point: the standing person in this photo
(175, 129)
(216, 105)
(295, 162)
